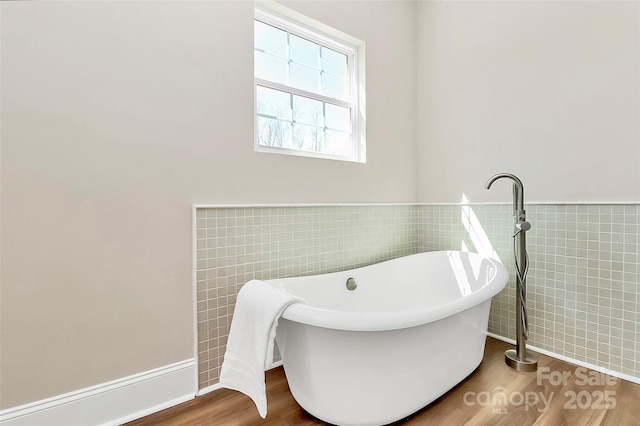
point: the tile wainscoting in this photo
(582, 285)
(235, 245)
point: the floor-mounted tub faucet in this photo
(519, 358)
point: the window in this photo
(306, 91)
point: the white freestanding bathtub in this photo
(412, 329)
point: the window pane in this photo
(304, 78)
(270, 39)
(334, 87)
(270, 68)
(273, 103)
(338, 118)
(334, 62)
(308, 138)
(303, 84)
(272, 132)
(304, 52)
(338, 143)
(308, 111)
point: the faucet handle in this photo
(521, 227)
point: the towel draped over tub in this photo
(251, 339)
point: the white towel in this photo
(251, 339)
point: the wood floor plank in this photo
(493, 395)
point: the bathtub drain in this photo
(351, 284)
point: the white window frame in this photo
(352, 48)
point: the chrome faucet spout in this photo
(518, 192)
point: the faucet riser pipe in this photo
(521, 289)
(519, 359)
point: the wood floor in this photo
(493, 395)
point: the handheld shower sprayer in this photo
(519, 358)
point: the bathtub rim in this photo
(394, 320)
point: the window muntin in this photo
(305, 91)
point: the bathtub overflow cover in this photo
(351, 284)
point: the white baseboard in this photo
(564, 358)
(111, 403)
(209, 389)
